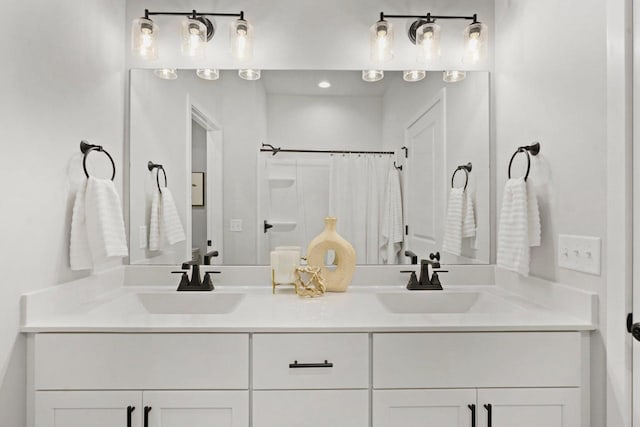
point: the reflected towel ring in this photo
(529, 150)
(466, 168)
(151, 166)
(86, 148)
(396, 166)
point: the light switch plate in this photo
(235, 225)
(142, 236)
(579, 253)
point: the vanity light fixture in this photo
(197, 30)
(208, 73)
(424, 32)
(249, 74)
(413, 75)
(372, 75)
(381, 41)
(324, 84)
(453, 76)
(166, 73)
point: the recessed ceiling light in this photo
(324, 84)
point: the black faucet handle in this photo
(184, 280)
(207, 283)
(186, 265)
(434, 256)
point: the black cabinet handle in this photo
(488, 408)
(295, 364)
(147, 409)
(473, 414)
(130, 410)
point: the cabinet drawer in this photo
(451, 360)
(141, 361)
(311, 408)
(275, 357)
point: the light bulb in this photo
(241, 39)
(372, 75)
(324, 84)
(249, 74)
(143, 39)
(453, 76)
(428, 42)
(413, 75)
(194, 38)
(475, 42)
(166, 73)
(381, 41)
(208, 73)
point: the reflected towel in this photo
(391, 228)
(97, 225)
(164, 223)
(452, 242)
(519, 226)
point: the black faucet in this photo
(429, 281)
(195, 284)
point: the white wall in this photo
(62, 80)
(325, 122)
(550, 86)
(467, 137)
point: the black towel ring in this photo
(86, 148)
(466, 168)
(529, 150)
(151, 166)
(396, 166)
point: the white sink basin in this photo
(445, 302)
(189, 302)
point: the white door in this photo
(196, 408)
(214, 189)
(425, 186)
(419, 408)
(311, 408)
(88, 408)
(535, 407)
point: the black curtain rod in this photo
(276, 150)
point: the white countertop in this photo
(358, 310)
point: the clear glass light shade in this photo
(428, 42)
(381, 41)
(208, 73)
(372, 75)
(414, 75)
(475, 43)
(452, 76)
(249, 74)
(166, 73)
(143, 39)
(241, 39)
(194, 38)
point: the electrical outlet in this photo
(142, 236)
(235, 225)
(579, 253)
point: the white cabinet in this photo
(419, 408)
(529, 407)
(138, 409)
(88, 408)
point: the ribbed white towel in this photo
(97, 225)
(460, 221)
(164, 223)
(391, 227)
(519, 226)
(469, 217)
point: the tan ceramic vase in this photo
(345, 259)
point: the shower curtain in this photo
(358, 184)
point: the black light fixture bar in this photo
(429, 17)
(193, 14)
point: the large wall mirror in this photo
(333, 146)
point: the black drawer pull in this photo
(473, 414)
(147, 409)
(130, 410)
(295, 364)
(488, 408)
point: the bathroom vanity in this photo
(478, 355)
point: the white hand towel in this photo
(171, 225)
(391, 230)
(519, 226)
(155, 236)
(79, 252)
(469, 217)
(452, 241)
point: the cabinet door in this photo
(419, 408)
(197, 408)
(311, 408)
(529, 407)
(88, 408)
